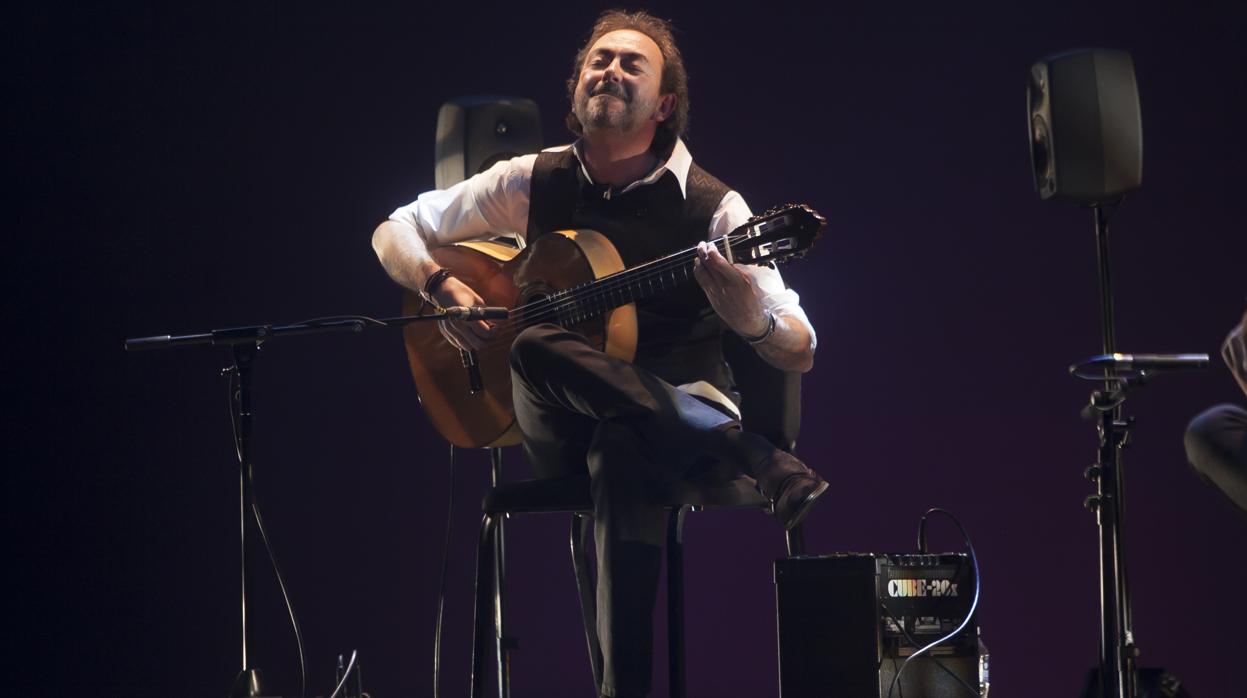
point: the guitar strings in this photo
(534, 312)
(654, 268)
(568, 300)
(622, 278)
(537, 311)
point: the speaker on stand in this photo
(1086, 139)
(1086, 128)
(475, 132)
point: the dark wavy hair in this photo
(674, 78)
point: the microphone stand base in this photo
(248, 685)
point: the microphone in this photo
(141, 343)
(476, 312)
(1141, 362)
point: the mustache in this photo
(610, 88)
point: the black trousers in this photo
(580, 408)
(1216, 445)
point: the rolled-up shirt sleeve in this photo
(732, 213)
(491, 203)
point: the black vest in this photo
(680, 336)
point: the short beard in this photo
(599, 115)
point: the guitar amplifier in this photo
(847, 621)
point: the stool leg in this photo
(795, 540)
(587, 589)
(481, 619)
(675, 602)
(503, 642)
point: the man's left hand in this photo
(732, 292)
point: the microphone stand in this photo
(244, 343)
(1117, 648)
(1118, 651)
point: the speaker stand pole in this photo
(1117, 648)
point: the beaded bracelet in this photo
(435, 280)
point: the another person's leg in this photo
(1216, 446)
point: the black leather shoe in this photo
(790, 485)
(796, 499)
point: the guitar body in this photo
(572, 278)
(504, 276)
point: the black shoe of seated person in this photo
(791, 486)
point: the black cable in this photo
(898, 673)
(268, 547)
(441, 583)
(231, 375)
(900, 624)
(330, 319)
(922, 536)
(340, 318)
(281, 583)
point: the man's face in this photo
(619, 83)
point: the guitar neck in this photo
(775, 235)
(595, 298)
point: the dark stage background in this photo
(178, 169)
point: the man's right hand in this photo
(469, 335)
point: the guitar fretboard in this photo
(775, 235)
(595, 298)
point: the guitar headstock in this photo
(777, 234)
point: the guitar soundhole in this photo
(541, 304)
(545, 304)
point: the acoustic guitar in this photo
(573, 278)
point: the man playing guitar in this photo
(667, 414)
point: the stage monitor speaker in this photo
(848, 621)
(475, 132)
(1085, 128)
